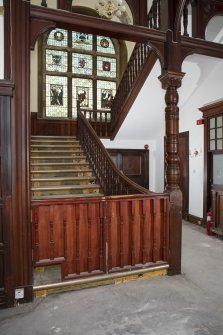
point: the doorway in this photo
(184, 171)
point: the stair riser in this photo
(64, 192)
(60, 183)
(49, 160)
(62, 174)
(46, 166)
(51, 152)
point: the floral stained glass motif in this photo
(105, 94)
(56, 96)
(56, 60)
(58, 37)
(105, 45)
(82, 90)
(106, 67)
(82, 64)
(82, 41)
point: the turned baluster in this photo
(155, 13)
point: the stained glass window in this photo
(82, 64)
(105, 93)
(56, 96)
(78, 67)
(56, 60)
(82, 41)
(105, 45)
(106, 67)
(58, 37)
(82, 90)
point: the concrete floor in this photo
(189, 304)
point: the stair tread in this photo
(59, 157)
(53, 136)
(66, 187)
(60, 171)
(63, 163)
(63, 178)
(67, 196)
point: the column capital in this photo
(171, 78)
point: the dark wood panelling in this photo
(134, 163)
(52, 127)
(100, 235)
(6, 89)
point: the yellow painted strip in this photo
(73, 287)
(1, 10)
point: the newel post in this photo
(171, 81)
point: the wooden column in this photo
(171, 81)
(19, 262)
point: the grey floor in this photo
(189, 304)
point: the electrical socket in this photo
(19, 293)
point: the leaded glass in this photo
(212, 145)
(219, 132)
(105, 94)
(219, 121)
(105, 45)
(82, 41)
(56, 60)
(82, 64)
(106, 67)
(212, 122)
(58, 37)
(56, 97)
(219, 144)
(212, 134)
(82, 90)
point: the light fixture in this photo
(195, 153)
(110, 8)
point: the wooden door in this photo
(184, 171)
(134, 163)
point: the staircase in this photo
(59, 168)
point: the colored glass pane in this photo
(82, 64)
(58, 37)
(56, 97)
(105, 45)
(82, 41)
(105, 93)
(56, 60)
(82, 90)
(106, 67)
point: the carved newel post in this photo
(171, 81)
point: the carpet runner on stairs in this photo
(59, 168)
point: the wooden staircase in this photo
(59, 168)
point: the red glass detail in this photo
(106, 66)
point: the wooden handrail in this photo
(140, 64)
(112, 180)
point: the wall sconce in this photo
(195, 153)
(110, 8)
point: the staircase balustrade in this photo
(99, 120)
(134, 69)
(112, 180)
(153, 18)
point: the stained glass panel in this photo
(58, 37)
(105, 45)
(105, 93)
(82, 64)
(82, 41)
(82, 90)
(56, 60)
(56, 97)
(106, 67)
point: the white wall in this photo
(201, 85)
(145, 124)
(1, 44)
